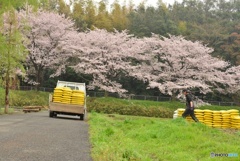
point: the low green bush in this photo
(29, 98)
(24, 98)
(110, 105)
(215, 107)
(128, 109)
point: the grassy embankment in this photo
(132, 138)
(142, 108)
(23, 98)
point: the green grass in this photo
(215, 107)
(131, 138)
(10, 111)
(144, 103)
(25, 98)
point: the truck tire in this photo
(54, 114)
(81, 116)
(50, 113)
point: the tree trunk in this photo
(8, 71)
(174, 97)
(7, 79)
(7, 94)
(39, 79)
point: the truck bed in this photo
(67, 108)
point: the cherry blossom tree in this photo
(49, 35)
(169, 64)
(234, 72)
(53, 41)
(107, 56)
(175, 63)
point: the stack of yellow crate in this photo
(235, 119)
(189, 118)
(208, 118)
(66, 96)
(57, 95)
(199, 114)
(226, 119)
(77, 97)
(180, 111)
(234, 112)
(235, 122)
(217, 119)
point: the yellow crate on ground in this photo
(180, 111)
(207, 117)
(217, 119)
(235, 122)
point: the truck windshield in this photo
(73, 87)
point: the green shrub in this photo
(125, 109)
(28, 98)
(24, 98)
(214, 107)
(110, 105)
(2, 95)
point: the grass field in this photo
(131, 138)
(168, 104)
(143, 103)
(25, 98)
(10, 111)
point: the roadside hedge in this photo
(123, 109)
(25, 98)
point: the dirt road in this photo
(36, 137)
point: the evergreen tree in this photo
(63, 8)
(12, 50)
(90, 14)
(119, 16)
(103, 20)
(78, 15)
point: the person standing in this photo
(189, 106)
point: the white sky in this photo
(136, 2)
(148, 2)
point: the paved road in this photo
(36, 137)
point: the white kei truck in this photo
(68, 109)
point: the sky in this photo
(137, 2)
(149, 2)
